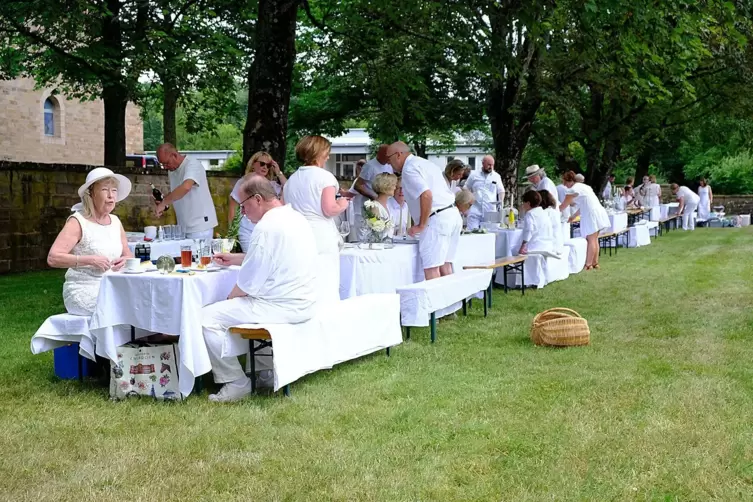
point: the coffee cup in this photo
(150, 232)
(133, 264)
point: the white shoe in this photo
(265, 379)
(231, 392)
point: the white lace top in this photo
(81, 286)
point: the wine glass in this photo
(344, 229)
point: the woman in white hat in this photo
(92, 241)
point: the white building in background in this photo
(212, 160)
(357, 144)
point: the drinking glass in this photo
(181, 232)
(344, 229)
(168, 231)
(216, 246)
(205, 253)
(186, 256)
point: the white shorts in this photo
(439, 240)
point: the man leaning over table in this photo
(189, 193)
(276, 284)
(437, 221)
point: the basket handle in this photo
(562, 310)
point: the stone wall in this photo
(78, 126)
(35, 200)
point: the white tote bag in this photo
(148, 370)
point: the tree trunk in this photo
(115, 100)
(114, 95)
(169, 107)
(270, 79)
(419, 147)
(642, 164)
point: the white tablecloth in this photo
(639, 236)
(507, 242)
(169, 304)
(655, 214)
(618, 221)
(161, 248)
(364, 271)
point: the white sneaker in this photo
(265, 379)
(231, 392)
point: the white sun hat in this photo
(532, 170)
(100, 173)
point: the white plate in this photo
(133, 271)
(210, 268)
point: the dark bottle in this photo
(157, 194)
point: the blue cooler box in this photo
(65, 361)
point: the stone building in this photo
(37, 126)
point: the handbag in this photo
(145, 370)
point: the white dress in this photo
(704, 204)
(593, 217)
(652, 195)
(81, 287)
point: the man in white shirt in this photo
(276, 284)
(189, 193)
(537, 177)
(487, 187)
(362, 185)
(437, 222)
(688, 204)
(398, 209)
(607, 193)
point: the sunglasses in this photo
(264, 164)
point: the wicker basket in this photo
(560, 327)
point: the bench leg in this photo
(388, 352)
(133, 334)
(486, 304)
(465, 307)
(407, 332)
(523, 278)
(253, 365)
(286, 390)
(490, 295)
(505, 269)
(80, 361)
(433, 322)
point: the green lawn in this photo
(658, 407)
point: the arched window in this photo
(49, 117)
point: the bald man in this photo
(432, 208)
(487, 187)
(362, 185)
(189, 193)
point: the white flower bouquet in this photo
(377, 224)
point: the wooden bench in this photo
(611, 239)
(666, 222)
(264, 340)
(422, 300)
(507, 264)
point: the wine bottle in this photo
(157, 194)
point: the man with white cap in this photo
(688, 204)
(276, 284)
(436, 219)
(488, 189)
(189, 193)
(537, 177)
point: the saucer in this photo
(133, 271)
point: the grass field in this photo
(658, 407)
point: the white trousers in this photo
(216, 320)
(688, 223)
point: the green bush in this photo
(234, 163)
(733, 174)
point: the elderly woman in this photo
(398, 209)
(464, 200)
(384, 185)
(593, 217)
(453, 172)
(654, 192)
(92, 241)
(312, 191)
(260, 163)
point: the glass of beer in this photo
(186, 256)
(205, 253)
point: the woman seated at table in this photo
(260, 163)
(464, 200)
(453, 172)
(626, 200)
(311, 191)
(398, 209)
(593, 216)
(537, 229)
(549, 205)
(92, 241)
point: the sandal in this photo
(588, 267)
(597, 267)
